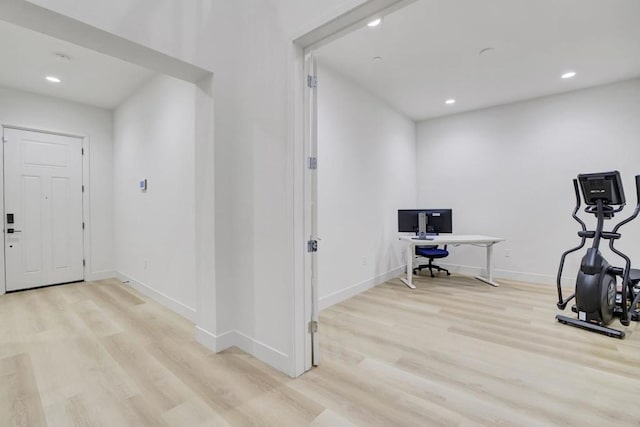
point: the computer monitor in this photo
(438, 220)
(606, 186)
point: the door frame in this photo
(86, 196)
(311, 201)
(305, 302)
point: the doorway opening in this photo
(73, 92)
(307, 46)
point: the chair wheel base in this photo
(431, 267)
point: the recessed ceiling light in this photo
(450, 101)
(568, 75)
(53, 79)
(375, 22)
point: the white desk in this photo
(453, 240)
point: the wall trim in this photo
(100, 275)
(520, 276)
(252, 346)
(353, 290)
(206, 338)
(216, 343)
(172, 304)
(264, 352)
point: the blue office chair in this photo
(431, 252)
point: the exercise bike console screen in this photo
(605, 186)
(438, 220)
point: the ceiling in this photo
(88, 77)
(431, 52)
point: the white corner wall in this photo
(249, 46)
(154, 134)
(253, 183)
(507, 171)
(366, 172)
(24, 109)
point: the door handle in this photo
(12, 230)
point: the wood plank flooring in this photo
(452, 352)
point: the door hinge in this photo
(84, 263)
(83, 225)
(313, 327)
(83, 188)
(312, 246)
(312, 82)
(83, 151)
(313, 163)
(5, 140)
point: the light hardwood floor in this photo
(452, 352)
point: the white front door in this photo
(43, 209)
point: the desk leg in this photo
(409, 280)
(489, 279)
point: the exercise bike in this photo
(598, 298)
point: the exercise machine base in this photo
(610, 332)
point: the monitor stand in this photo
(422, 226)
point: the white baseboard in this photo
(174, 305)
(100, 275)
(235, 338)
(207, 339)
(498, 274)
(214, 342)
(346, 293)
(264, 352)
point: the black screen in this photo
(438, 220)
(606, 186)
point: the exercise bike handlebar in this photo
(624, 319)
(561, 302)
(608, 209)
(636, 211)
(575, 216)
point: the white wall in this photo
(248, 45)
(253, 163)
(367, 171)
(18, 108)
(507, 171)
(154, 229)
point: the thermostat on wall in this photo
(143, 185)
